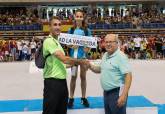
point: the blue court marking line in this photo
(95, 102)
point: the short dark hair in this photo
(54, 17)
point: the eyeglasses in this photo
(57, 24)
(110, 42)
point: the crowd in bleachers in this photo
(18, 15)
(19, 18)
(144, 47)
(28, 18)
(146, 17)
(18, 50)
(134, 18)
(136, 47)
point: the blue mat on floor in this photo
(133, 101)
(95, 102)
(161, 109)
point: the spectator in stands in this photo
(29, 54)
(134, 22)
(33, 48)
(13, 50)
(123, 46)
(6, 49)
(102, 46)
(131, 48)
(143, 46)
(151, 46)
(137, 41)
(19, 46)
(158, 45)
(163, 49)
(1, 55)
(25, 50)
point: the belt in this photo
(112, 90)
(55, 79)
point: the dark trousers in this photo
(110, 102)
(55, 96)
(20, 55)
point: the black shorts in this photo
(33, 50)
(93, 50)
(159, 51)
(130, 50)
(103, 50)
(137, 48)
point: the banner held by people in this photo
(72, 39)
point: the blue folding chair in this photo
(1, 28)
(99, 26)
(147, 25)
(154, 25)
(106, 26)
(7, 27)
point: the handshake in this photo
(85, 63)
(82, 62)
(94, 66)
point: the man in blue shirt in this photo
(116, 76)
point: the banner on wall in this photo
(64, 28)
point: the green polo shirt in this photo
(54, 68)
(113, 70)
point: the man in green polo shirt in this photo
(116, 76)
(55, 85)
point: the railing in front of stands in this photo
(21, 27)
(126, 26)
